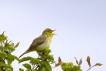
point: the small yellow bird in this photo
(41, 42)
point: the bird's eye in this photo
(51, 31)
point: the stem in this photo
(90, 67)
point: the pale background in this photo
(80, 24)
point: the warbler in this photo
(41, 42)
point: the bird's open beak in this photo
(53, 31)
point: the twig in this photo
(90, 67)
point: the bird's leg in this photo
(41, 53)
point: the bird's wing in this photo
(37, 41)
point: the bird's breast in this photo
(46, 44)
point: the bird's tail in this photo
(22, 54)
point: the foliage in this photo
(41, 63)
(6, 58)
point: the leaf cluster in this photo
(42, 63)
(6, 57)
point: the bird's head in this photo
(48, 32)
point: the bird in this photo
(41, 42)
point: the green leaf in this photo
(11, 58)
(50, 59)
(2, 62)
(7, 67)
(1, 48)
(3, 54)
(34, 61)
(68, 66)
(25, 59)
(17, 45)
(15, 57)
(2, 37)
(42, 68)
(20, 69)
(28, 66)
(47, 66)
(46, 51)
(9, 47)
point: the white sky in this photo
(80, 24)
